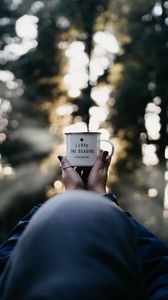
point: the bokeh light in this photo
(149, 155)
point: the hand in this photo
(72, 180)
(98, 175)
(93, 179)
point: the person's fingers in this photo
(108, 159)
(105, 154)
(106, 164)
(60, 157)
(64, 162)
(71, 178)
(100, 161)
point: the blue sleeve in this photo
(154, 258)
(8, 245)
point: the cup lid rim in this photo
(82, 133)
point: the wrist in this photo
(100, 191)
(73, 188)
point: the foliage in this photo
(137, 76)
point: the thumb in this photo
(100, 161)
(107, 163)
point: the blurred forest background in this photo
(72, 65)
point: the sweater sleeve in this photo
(154, 258)
(8, 245)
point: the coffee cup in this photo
(82, 148)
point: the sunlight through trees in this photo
(77, 66)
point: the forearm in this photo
(153, 255)
(154, 258)
(7, 247)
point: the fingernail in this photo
(105, 153)
(60, 157)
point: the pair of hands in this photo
(92, 179)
